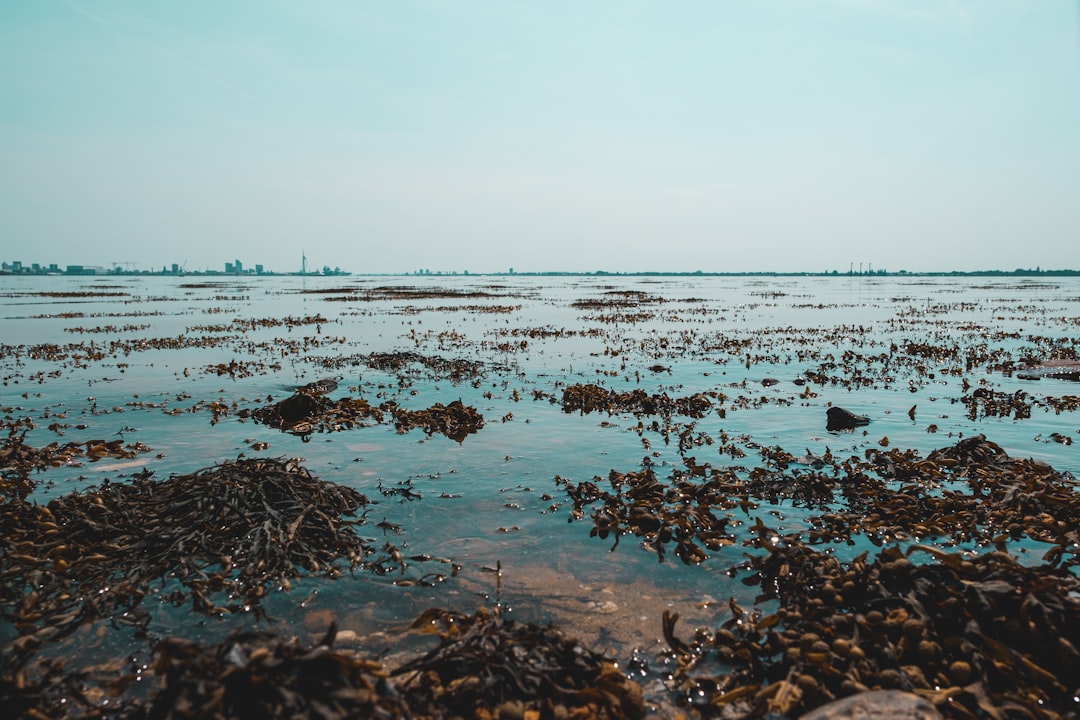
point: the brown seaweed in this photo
(487, 666)
(224, 535)
(977, 635)
(593, 398)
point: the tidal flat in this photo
(515, 496)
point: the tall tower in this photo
(303, 263)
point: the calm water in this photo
(137, 358)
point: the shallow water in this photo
(139, 357)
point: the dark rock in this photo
(1056, 369)
(319, 387)
(292, 410)
(886, 704)
(841, 419)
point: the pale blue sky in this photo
(718, 135)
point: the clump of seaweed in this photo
(593, 398)
(258, 674)
(18, 460)
(304, 413)
(224, 535)
(978, 636)
(56, 693)
(483, 667)
(680, 513)
(488, 667)
(456, 420)
(972, 491)
(453, 369)
(308, 411)
(617, 299)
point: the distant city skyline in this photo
(233, 267)
(237, 268)
(790, 135)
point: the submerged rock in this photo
(319, 387)
(1056, 369)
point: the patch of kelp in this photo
(251, 324)
(484, 666)
(976, 635)
(219, 538)
(487, 666)
(409, 366)
(107, 329)
(19, 460)
(477, 309)
(453, 369)
(972, 492)
(398, 292)
(306, 412)
(588, 398)
(66, 294)
(682, 513)
(617, 299)
(986, 403)
(979, 636)
(81, 355)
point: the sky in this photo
(572, 135)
